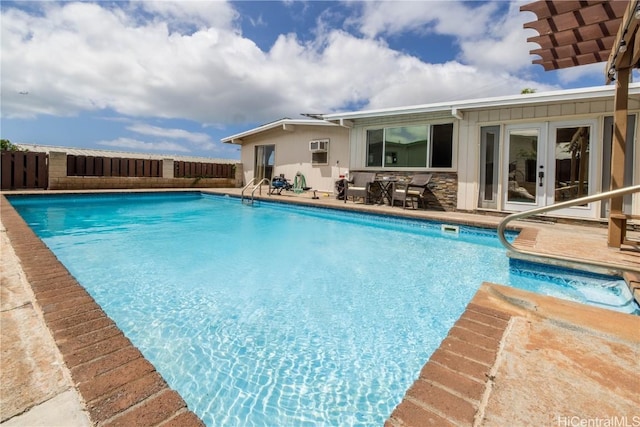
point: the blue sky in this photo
(175, 77)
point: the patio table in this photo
(386, 187)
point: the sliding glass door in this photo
(264, 162)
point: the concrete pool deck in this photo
(512, 358)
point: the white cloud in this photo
(200, 140)
(572, 74)
(504, 45)
(188, 60)
(134, 144)
(440, 17)
(199, 14)
(488, 38)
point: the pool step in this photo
(633, 281)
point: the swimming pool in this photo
(278, 315)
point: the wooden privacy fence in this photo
(112, 166)
(202, 170)
(24, 170)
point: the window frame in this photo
(315, 163)
(325, 152)
(429, 148)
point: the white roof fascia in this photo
(456, 107)
(285, 124)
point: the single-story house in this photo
(315, 148)
(506, 154)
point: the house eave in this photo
(286, 125)
(457, 107)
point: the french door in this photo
(549, 163)
(524, 183)
(572, 164)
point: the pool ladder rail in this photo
(257, 186)
(582, 200)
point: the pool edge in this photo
(118, 385)
(476, 378)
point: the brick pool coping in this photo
(119, 386)
(453, 383)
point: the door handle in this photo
(540, 176)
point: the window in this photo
(319, 151)
(441, 146)
(320, 158)
(408, 146)
(374, 147)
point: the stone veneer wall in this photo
(443, 189)
(58, 179)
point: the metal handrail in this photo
(259, 185)
(245, 187)
(580, 201)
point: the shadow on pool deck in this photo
(512, 358)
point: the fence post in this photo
(7, 175)
(239, 175)
(57, 169)
(167, 168)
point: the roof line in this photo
(510, 100)
(275, 124)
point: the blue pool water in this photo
(280, 315)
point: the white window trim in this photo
(454, 146)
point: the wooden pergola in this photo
(573, 33)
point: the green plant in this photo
(6, 145)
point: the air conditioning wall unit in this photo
(319, 145)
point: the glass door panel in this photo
(489, 144)
(265, 161)
(571, 152)
(525, 173)
(572, 165)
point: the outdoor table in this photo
(386, 188)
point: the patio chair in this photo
(360, 185)
(412, 191)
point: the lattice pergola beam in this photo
(574, 33)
